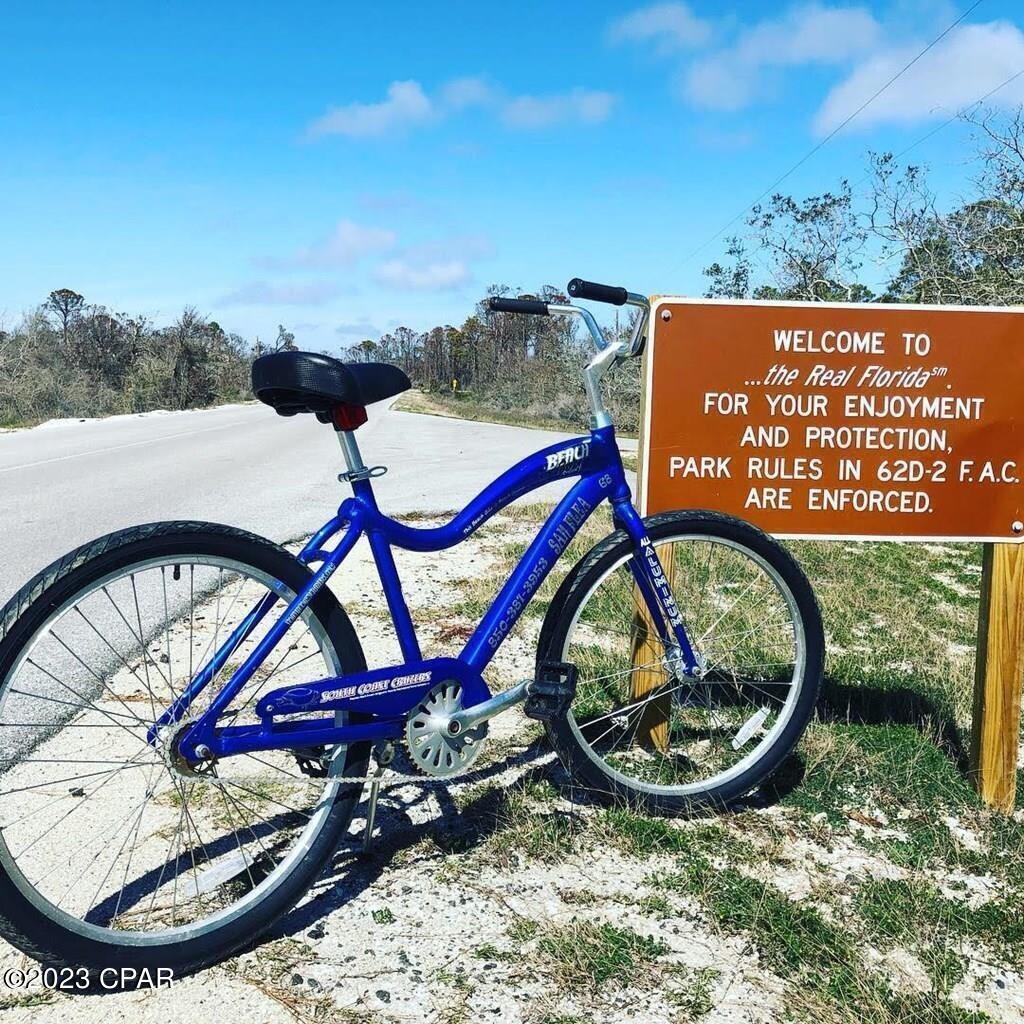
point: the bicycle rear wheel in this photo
(114, 852)
(642, 733)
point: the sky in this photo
(344, 168)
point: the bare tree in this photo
(971, 254)
(285, 340)
(814, 247)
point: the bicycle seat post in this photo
(357, 469)
(353, 457)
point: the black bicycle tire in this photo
(26, 926)
(577, 585)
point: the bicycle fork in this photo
(652, 582)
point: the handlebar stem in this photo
(604, 359)
(602, 362)
(606, 355)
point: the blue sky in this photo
(343, 168)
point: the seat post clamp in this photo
(363, 473)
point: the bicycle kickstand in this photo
(383, 756)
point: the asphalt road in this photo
(69, 481)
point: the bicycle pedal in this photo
(549, 695)
(312, 761)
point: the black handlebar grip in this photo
(534, 306)
(580, 289)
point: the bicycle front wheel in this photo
(115, 852)
(639, 730)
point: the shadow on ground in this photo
(897, 705)
(459, 826)
(453, 827)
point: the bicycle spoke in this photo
(146, 659)
(120, 836)
(99, 679)
(131, 853)
(70, 778)
(80, 802)
(683, 730)
(263, 684)
(103, 881)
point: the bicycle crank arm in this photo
(470, 717)
(547, 696)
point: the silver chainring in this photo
(433, 750)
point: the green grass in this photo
(522, 929)
(693, 990)
(946, 967)
(656, 906)
(536, 832)
(488, 951)
(464, 405)
(823, 960)
(902, 911)
(643, 836)
(585, 952)
(790, 937)
(901, 621)
(898, 766)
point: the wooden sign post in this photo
(851, 421)
(999, 669)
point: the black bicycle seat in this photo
(294, 382)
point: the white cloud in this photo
(718, 85)
(814, 34)
(400, 201)
(671, 27)
(586, 105)
(265, 293)
(964, 66)
(460, 247)
(438, 265)
(435, 276)
(406, 105)
(461, 93)
(344, 247)
(725, 140)
(362, 328)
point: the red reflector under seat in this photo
(348, 417)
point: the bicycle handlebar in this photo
(580, 289)
(597, 293)
(534, 306)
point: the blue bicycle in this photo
(188, 720)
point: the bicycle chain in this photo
(386, 778)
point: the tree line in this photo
(894, 241)
(69, 357)
(526, 364)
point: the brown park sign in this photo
(829, 420)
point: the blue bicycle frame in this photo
(373, 705)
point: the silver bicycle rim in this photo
(770, 736)
(317, 816)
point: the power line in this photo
(924, 138)
(945, 124)
(835, 131)
(956, 117)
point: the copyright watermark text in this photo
(81, 979)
